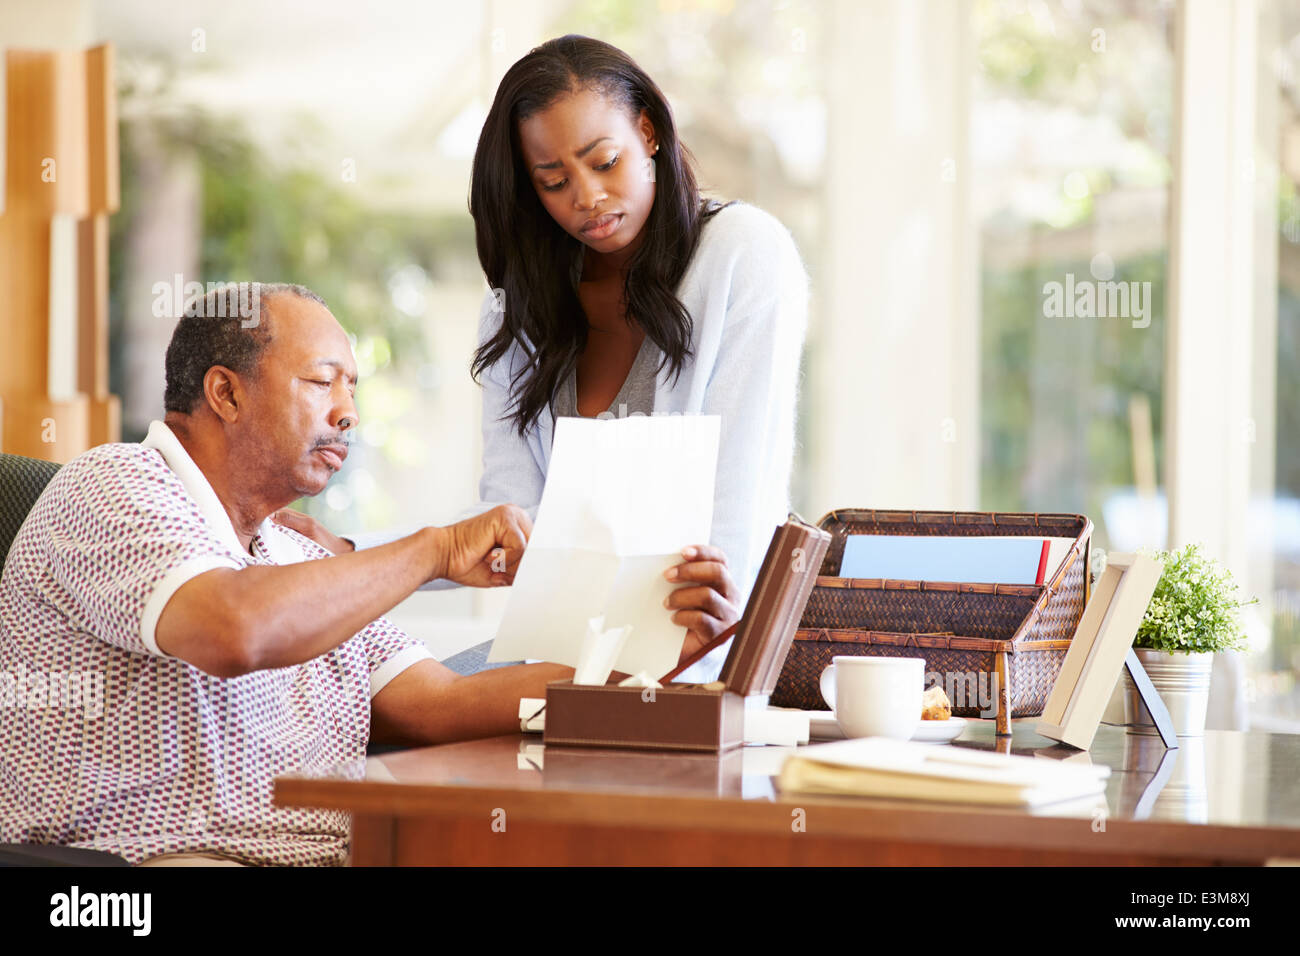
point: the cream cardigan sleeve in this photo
(754, 386)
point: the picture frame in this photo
(1102, 646)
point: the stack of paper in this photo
(622, 498)
(877, 767)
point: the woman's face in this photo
(592, 167)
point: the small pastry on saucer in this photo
(935, 704)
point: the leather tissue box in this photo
(689, 717)
(702, 717)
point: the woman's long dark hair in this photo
(528, 256)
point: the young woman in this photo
(616, 289)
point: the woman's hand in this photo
(705, 604)
(309, 527)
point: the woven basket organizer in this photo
(1018, 632)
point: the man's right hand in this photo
(484, 551)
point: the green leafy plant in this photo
(1194, 608)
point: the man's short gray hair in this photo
(229, 327)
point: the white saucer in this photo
(822, 725)
(939, 731)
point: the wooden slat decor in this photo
(1018, 632)
(61, 159)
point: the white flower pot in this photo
(1183, 683)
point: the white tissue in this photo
(640, 679)
(600, 648)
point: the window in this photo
(1070, 140)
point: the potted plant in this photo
(1192, 615)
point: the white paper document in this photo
(622, 498)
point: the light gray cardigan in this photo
(746, 292)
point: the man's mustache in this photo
(336, 440)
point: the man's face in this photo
(591, 167)
(301, 400)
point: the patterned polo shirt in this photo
(106, 742)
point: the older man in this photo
(233, 649)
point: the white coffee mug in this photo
(875, 696)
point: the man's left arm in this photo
(428, 703)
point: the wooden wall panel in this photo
(61, 158)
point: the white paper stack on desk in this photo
(877, 767)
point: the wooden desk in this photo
(1228, 798)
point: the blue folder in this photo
(925, 558)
